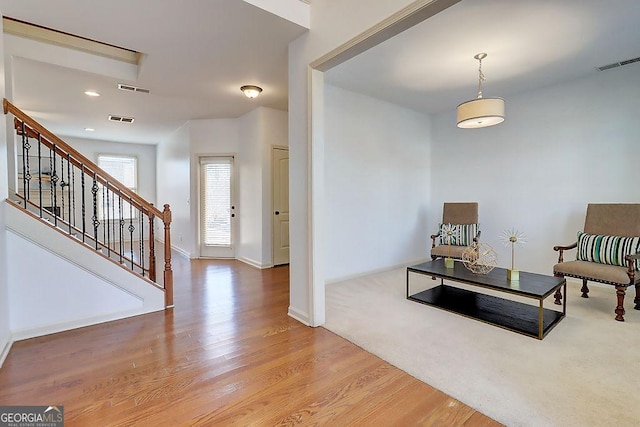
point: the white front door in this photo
(280, 214)
(217, 207)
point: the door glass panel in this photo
(216, 197)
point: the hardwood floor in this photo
(228, 354)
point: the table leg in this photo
(407, 283)
(540, 320)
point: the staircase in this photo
(84, 205)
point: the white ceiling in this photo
(530, 44)
(199, 52)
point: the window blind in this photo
(215, 188)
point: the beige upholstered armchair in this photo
(608, 251)
(465, 217)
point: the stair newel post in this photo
(168, 272)
(152, 247)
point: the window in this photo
(125, 170)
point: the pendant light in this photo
(480, 112)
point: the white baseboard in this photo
(182, 252)
(299, 316)
(177, 249)
(74, 324)
(5, 351)
(376, 271)
(254, 263)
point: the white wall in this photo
(260, 130)
(45, 301)
(5, 333)
(249, 208)
(377, 180)
(333, 23)
(559, 149)
(173, 181)
(85, 289)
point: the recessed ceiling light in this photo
(91, 93)
(89, 129)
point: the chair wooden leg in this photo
(558, 297)
(637, 298)
(558, 294)
(585, 289)
(620, 308)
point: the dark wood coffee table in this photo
(508, 314)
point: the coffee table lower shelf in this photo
(512, 315)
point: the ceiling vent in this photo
(132, 88)
(618, 64)
(121, 119)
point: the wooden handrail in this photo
(78, 159)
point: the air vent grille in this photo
(618, 64)
(121, 119)
(132, 88)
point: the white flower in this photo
(512, 237)
(449, 232)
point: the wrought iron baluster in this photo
(121, 223)
(131, 229)
(54, 187)
(96, 222)
(25, 159)
(73, 191)
(84, 210)
(141, 225)
(62, 185)
(152, 253)
(104, 228)
(69, 190)
(51, 178)
(40, 174)
(108, 220)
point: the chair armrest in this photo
(631, 260)
(633, 257)
(561, 249)
(433, 238)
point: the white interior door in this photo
(280, 170)
(217, 207)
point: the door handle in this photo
(277, 212)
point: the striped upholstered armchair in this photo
(463, 219)
(607, 251)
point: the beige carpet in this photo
(586, 371)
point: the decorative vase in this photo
(448, 262)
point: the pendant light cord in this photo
(481, 77)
